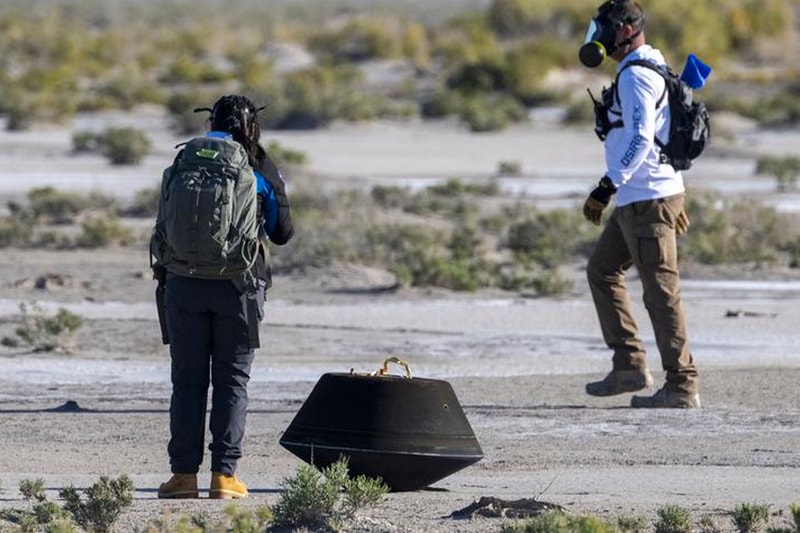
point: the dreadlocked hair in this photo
(237, 115)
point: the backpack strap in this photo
(661, 71)
(655, 68)
(648, 65)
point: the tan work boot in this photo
(619, 382)
(226, 487)
(179, 486)
(667, 399)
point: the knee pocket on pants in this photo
(650, 251)
(651, 246)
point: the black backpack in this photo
(690, 126)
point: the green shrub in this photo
(25, 521)
(15, 231)
(47, 333)
(456, 207)
(478, 78)
(287, 156)
(673, 519)
(476, 103)
(188, 70)
(580, 112)
(543, 281)
(795, 510)
(466, 39)
(47, 512)
(32, 489)
(391, 196)
(98, 232)
(633, 524)
(358, 40)
(527, 67)
(85, 141)
(511, 17)
(708, 525)
(458, 251)
(555, 522)
(54, 206)
(549, 238)
(442, 103)
(62, 525)
(361, 492)
(234, 520)
(39, 95)
(103, 503)
(509, 168)
(314, 97)
(735, 232)
(325, 498)
(184, 524)
(786, 170)
(456, 188)
(181, 106)
(750, 517)
(97, 513)
(125, 90)
(328, 228)
(492, 113)
(419, 257)
(145, 203)
(247, 521)
(125, 146)
(417, 46)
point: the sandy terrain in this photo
(518, 365)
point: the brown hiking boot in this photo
(179, 486)
(226, 487)
(667, 399)
(619, 382)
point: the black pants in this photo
(209, 337)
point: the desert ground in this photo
(517, 364)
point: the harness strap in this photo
(647, 65)
(659, 70)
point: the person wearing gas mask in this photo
(641, 230)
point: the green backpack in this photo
(207, 216)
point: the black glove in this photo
(598, 200)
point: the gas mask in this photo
(601, 35)
(600, 42)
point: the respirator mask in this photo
(601, 36)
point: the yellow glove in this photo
(593, 210)
(682, 223)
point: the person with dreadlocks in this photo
(222, 200)
(641, 231)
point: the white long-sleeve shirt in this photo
(632, 156)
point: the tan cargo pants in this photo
(643, 234)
